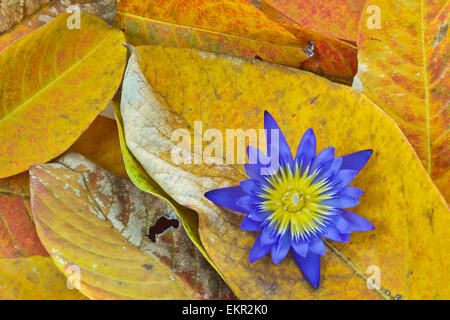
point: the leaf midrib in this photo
(427, 97)
(208, 31)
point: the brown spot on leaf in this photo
(147, 266)
(313, 100)
(440, 35)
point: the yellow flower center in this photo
(294, 201)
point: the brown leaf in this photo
(127, 243)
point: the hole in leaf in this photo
(161, 226)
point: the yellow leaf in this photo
(121, 242)
(233, 27)
(403, 67)
(54, 83)
(18, 18)
(34, 278)
(165, 89)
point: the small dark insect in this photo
(258, 58)
(160, 226)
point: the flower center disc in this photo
(293, 200)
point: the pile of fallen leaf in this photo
(96, 203)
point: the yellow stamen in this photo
(294, 201)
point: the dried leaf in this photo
(403, 69)
(18, 237)
(333, 59)
(18, 18)
(126, 243)
(143, 181)
(26, 271)
(33, 278)
(100, 144)
(233, 27)
(54, 83)
(411, 240)
(337, 19)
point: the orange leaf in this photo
(403, 68)
(18, 237)
(337, 19)
(26, 271)
(18, 18)
(54, 83)
(100, 143)
(233, 27)
(333, 59)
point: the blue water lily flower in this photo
(295, 202)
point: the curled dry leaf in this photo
(18, 18)
(54, 83)
(143, 181)
(26, 271)
(337, 19)
(403, 68)
(233, 27)
(125, 242)
(333, 59)
(167, 88)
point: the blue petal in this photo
(310, 267)
(306, 149)
(332, 170)
(227, 197)
(356, 222)
(258, 251)
(248, 224)
(251, 186)
(256, 156)
(317, 246)
(352, 192)
(356, 161)
(342, 225)
(281, 248)
(247, 202)
(300, 247)
(259, 166)
(345, 176)
(345, 237)
(281, 145)
(259, 215)
(323, 157)
(334, 235)
(341, 202)
(254, 172)
(268, 236)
